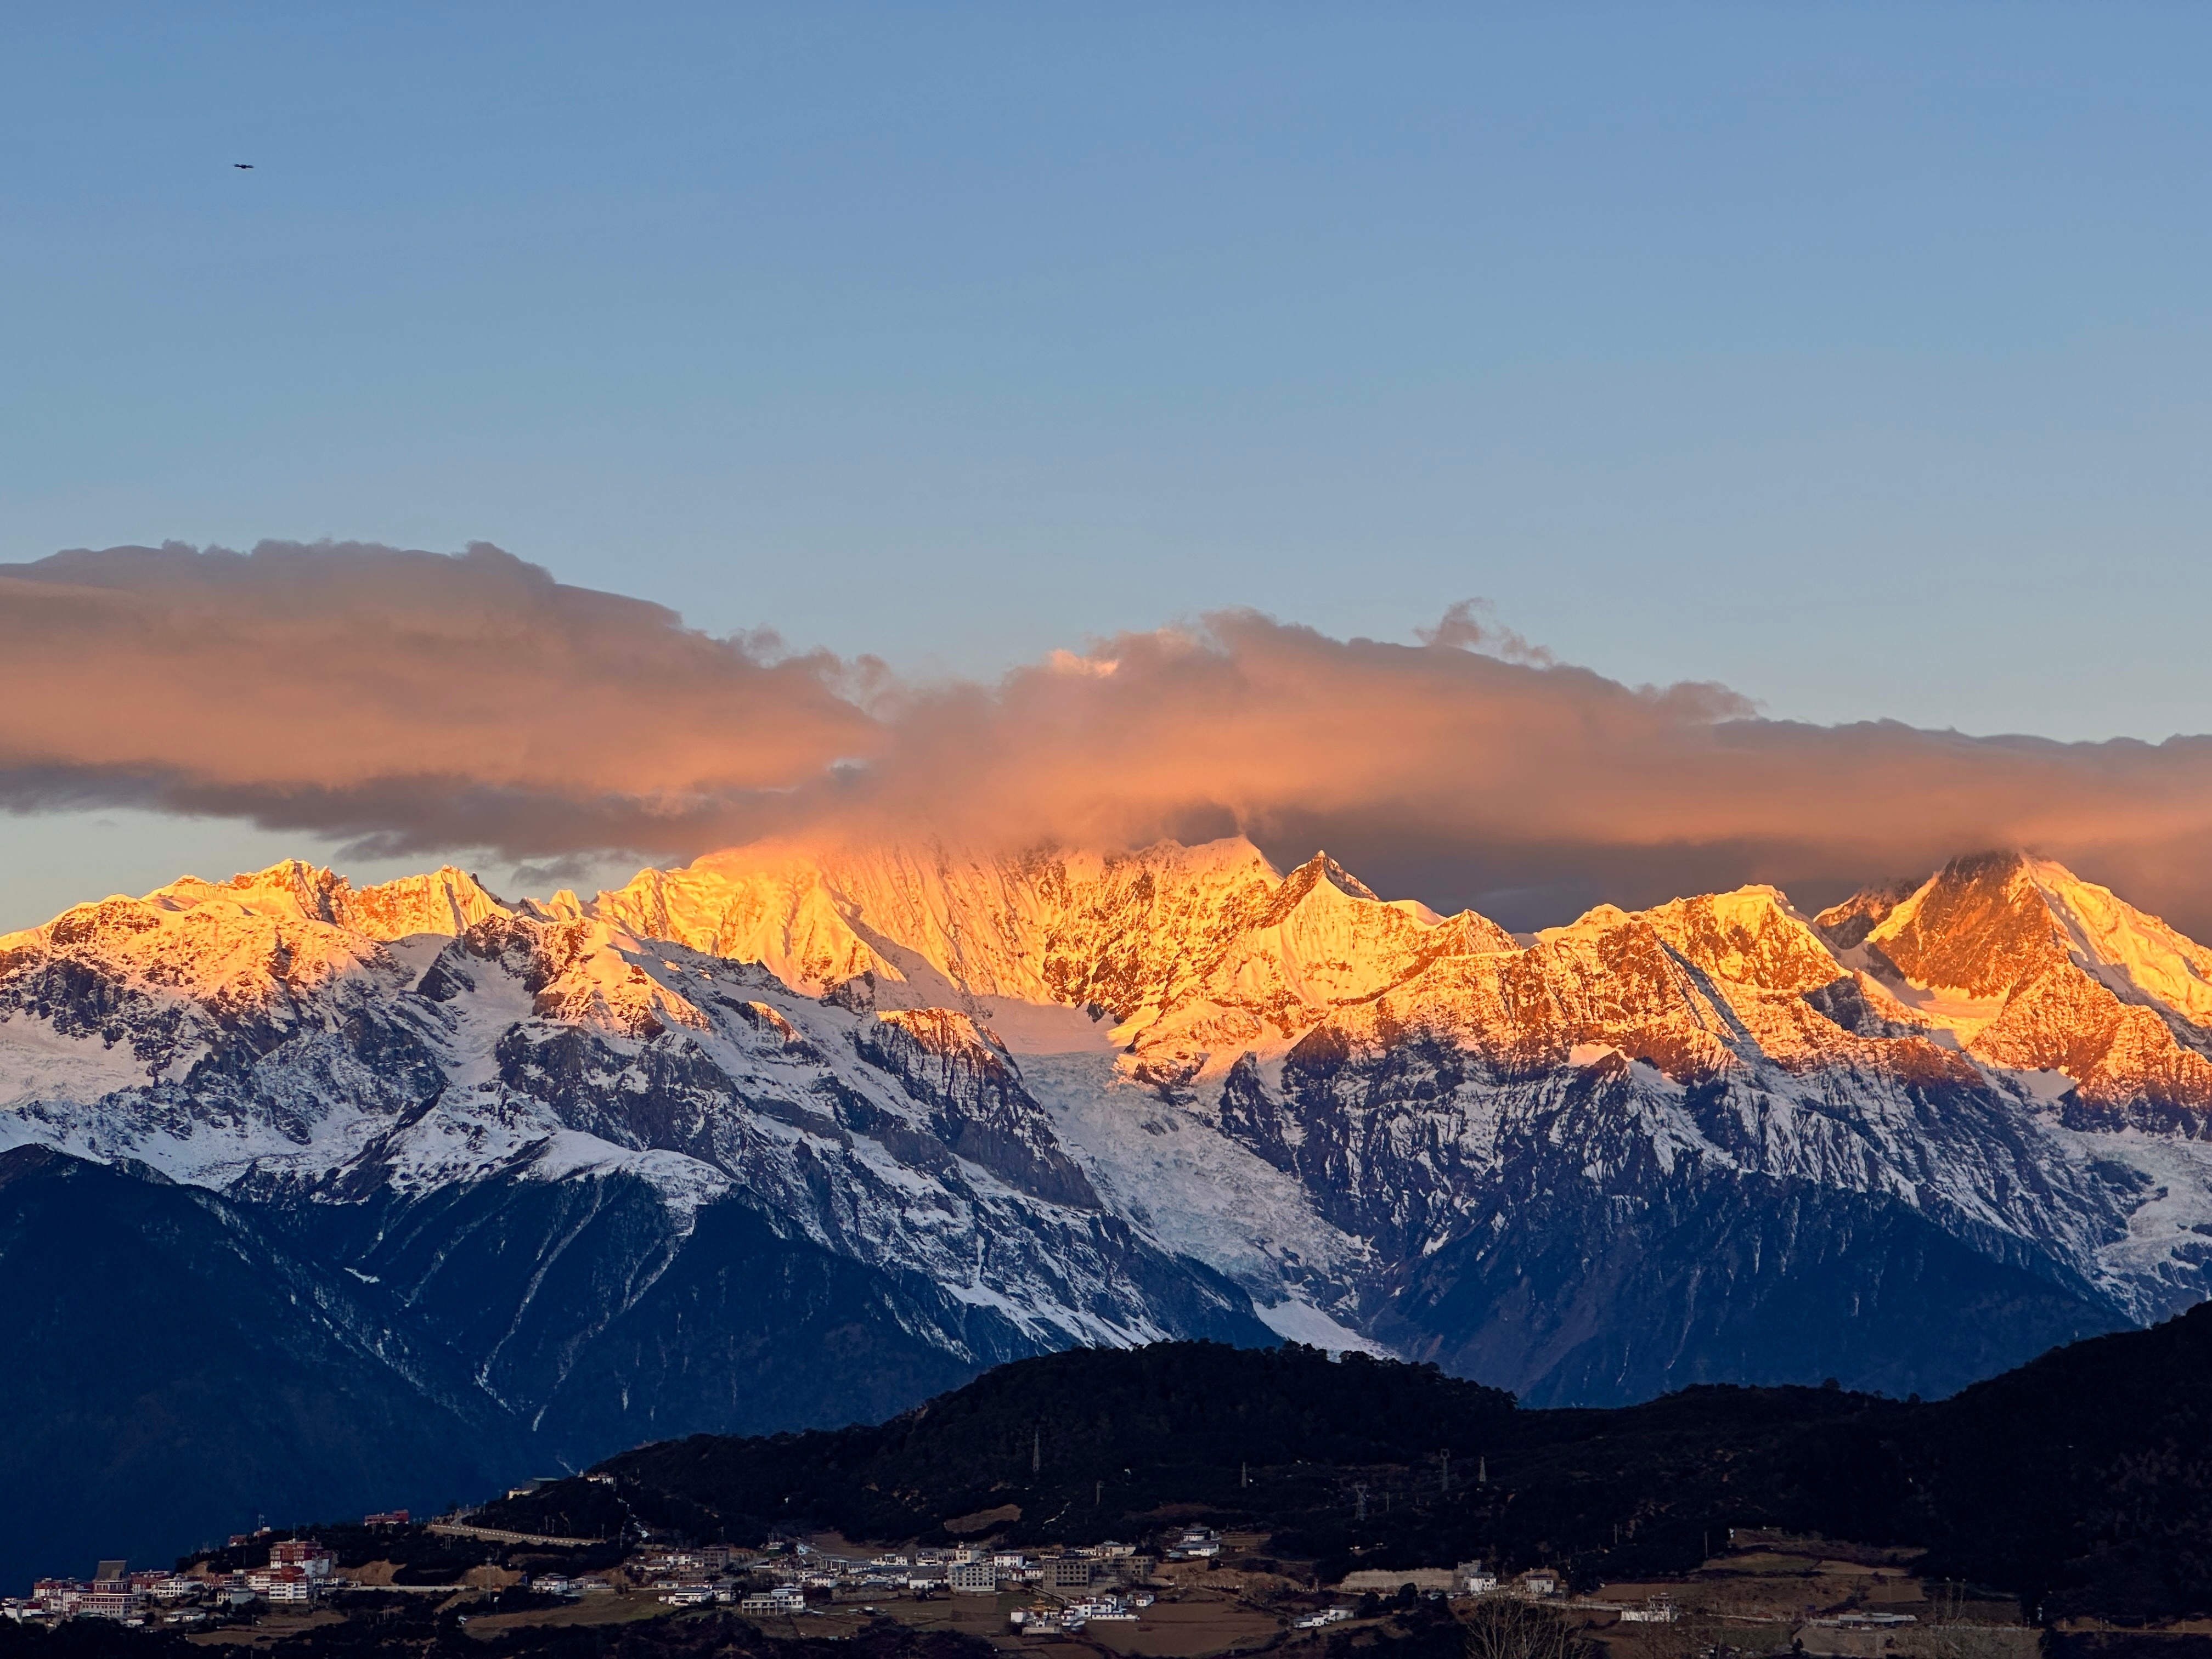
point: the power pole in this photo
(1243, 1474)
(1360, 1496)
(1482, 1471)
(1444, 1458)
(1037, 1449)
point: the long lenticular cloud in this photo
(416, 702)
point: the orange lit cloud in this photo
(410, 701)
(1445, 771)
(417, 702)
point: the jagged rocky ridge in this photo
(793, 1137)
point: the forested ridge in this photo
(2082, 1481)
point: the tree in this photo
(1503, 1628)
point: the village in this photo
(1066, 1589)
(297, 1573)
(1187, 1591)
(1103, 1583)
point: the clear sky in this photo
(1855, 356)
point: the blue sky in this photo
(1855, 356)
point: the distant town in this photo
(1197, 1591)
(1103, 1583)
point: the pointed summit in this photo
(445, 900)
(1340, 878)
(1980, 926)
(1847, 924)
(289, 887)
(1751, 936)
(1991, 922)
(2034, 969)
(1319, 870)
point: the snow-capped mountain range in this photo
(793, 1136)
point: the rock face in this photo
(792, 1138)
(2033, 969)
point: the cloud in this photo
(1527, 788)
(413, 702)
(405, 700)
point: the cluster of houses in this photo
(1467, 1578)
(1194, 1544)
(804, 1575)
(1074, 1586)
(1044, 1617)
(298, 1570)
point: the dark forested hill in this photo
(2081, 1482)
(1078, 1441)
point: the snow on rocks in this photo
(1041, 1081)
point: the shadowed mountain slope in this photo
(174, 1369)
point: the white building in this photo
(284, 1581)
(102, 1598)
(783, 1599)
(1110, 1609)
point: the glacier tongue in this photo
(1201, 1193)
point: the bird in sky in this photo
(246, 166)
